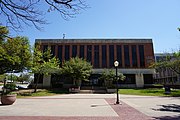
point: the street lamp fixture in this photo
(116, 63)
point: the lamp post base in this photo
(118, 103)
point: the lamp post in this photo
(116, 63)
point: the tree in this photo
(23, 78)
(12, 77)
(15, 53)
(43, 64)
(2, 77)
(77, 69)
(170, 61)
(3, 33)
(30, 12)
(174, 63)
(110, 76)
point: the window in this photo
(126, 56)
(104, 56)
(134, 56)
(60, 53)
(148, 78)
(45, 47)
(67, 57)
(53, 50)
(96, 56)
(89, 53)
(74, 50)
(119, 55)
(141, 55)
(111, 55)
(81, 51)
(130, 79)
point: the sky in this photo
(154, 19)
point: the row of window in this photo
(130, 79)
(105, 50)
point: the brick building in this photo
(165, 75)
(134, 57)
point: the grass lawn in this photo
(150, 92)
(143, 92)
(43, 92)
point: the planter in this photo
(8, 99)
(111, 90)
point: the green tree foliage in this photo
(76, 69)
(3, 33)
(174, 63)
(109, 76)
(2, 77)
(15, 53)
(11, 77)
(43, 63)
(170, 61)
(23, 78)
(9, 88)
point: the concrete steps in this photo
(88, 89)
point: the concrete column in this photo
(139, 80)
(47, 81)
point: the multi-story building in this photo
(165, 75)
(134, 57)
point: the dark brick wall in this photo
(148, 50)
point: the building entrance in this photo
(94, 81)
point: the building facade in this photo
(134, 57)
(165, 76)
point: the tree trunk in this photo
(35, 87)
(4, 87)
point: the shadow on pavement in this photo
(3, 105)
(167, 118)
(169, 108)
(101, 105)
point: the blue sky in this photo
(156, 19)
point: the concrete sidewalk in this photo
(161, 108)
(92, 106)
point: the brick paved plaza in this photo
(91, 107)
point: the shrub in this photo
(10, 86)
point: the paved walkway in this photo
(92, 107)
(161, 108)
